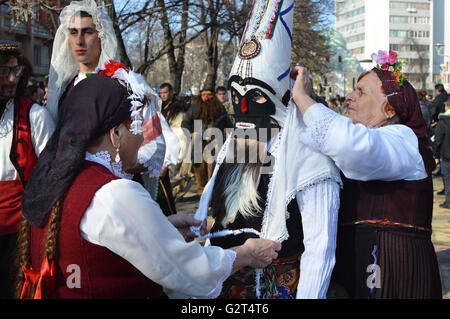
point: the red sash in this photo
(11, 193)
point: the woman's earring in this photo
(117, 159)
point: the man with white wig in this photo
(84, 42)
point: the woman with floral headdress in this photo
(90, 231)
(384, 247)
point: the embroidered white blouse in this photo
(123, 218)
(363, 153)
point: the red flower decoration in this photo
(111, 67)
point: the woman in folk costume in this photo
(84, 41)
(84, 214)
(295, 200)
(384, 239)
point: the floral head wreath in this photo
(136, 87)
(387, 61)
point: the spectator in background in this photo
(222, 96)
(442, 149)
(44, 99)
(211, 113)
(173, 108)
(333, 105)
(35, 94)
(437, 106)
(343, 104)
(424, 108)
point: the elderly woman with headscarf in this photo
(384, 247)
(90, 231)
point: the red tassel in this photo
(244, 108)
(45, 279)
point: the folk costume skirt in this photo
(378, 262)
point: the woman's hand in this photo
(302, 89)
(256, 253)
(183, 223)
(302, 85)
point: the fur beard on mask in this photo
(236, 190)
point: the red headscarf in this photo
(406, 104)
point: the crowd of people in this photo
(88, 160)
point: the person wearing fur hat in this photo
(210, 113)
(384, 239)
(25, 128)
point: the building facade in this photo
(440, 57)
(406, 27)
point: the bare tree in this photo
(223, 20)
(418, 69)
(309, 46)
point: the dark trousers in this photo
(8, 244)
(165, 197)
(446, 177)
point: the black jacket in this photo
(437, 106)
(441, 145)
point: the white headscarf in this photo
(63, 65)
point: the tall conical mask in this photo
(259, 80)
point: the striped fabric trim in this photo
(387, 222)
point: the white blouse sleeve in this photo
(42, 127)
(319, 207)
(362, 153)
(123, 218)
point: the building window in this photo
(352, 26)
(37, 55)
(409, 34)
(357, 51)
(409, 47)
(409, 20)
(358, 37)
(409, 5)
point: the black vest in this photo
(405, 202)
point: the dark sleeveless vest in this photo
(104, 274)
(24, 159)
(403, 203)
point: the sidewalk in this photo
(441, 236)
(440, 224)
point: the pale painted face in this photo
(84, 41)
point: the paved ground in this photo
(440, 224)
(441, 236)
